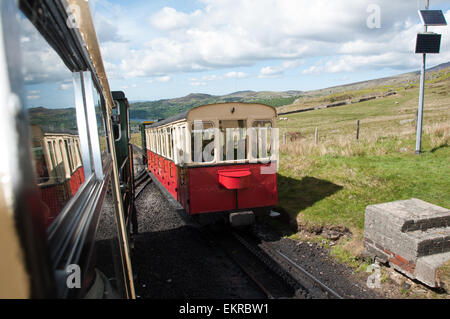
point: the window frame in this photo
(257, 142)
(213, 140)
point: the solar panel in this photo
(428, 43)
(432, 17)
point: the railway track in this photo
(141, 182)
(272, 271)
(315, 287)
(142, 178)
(267, 275)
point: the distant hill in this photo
(50, 119)
(169, 107)
(150, 110)
(401, 79)
(365, 89)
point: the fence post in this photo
(284, 137)
(316, 136)
(357, 130)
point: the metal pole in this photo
(421, 99)
(316, 136)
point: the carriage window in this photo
(170, 146)
(41, 162)
(158, 142)
(181, 145)
(149, 137)
(233, 139)
(202, 142)
(262, 139)
(49, 98)
(153, 141)
(100, 112)
(51, 153)
(164, 142)
(69, 156)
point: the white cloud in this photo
(397, 53)
(270, 72)
(107, 30)
(211, 77)
(229, 34)
(197, 83)
(276, 71)
(66, 86)
(41, 64)
(33, 97)
(235, 75)
(163, 78)
(169, 19)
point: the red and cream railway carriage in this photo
(59, 168)
(217, 158)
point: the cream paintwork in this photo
(56, 139)
(15, 283)
(14, 279)
(208, 113)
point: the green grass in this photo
(333, 182)
(336, 189)
(277, 102)
(136, 139)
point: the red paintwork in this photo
(52, 201)
(55, 197)
(165, 171)
(216, 188)
(235, 179)
(76, 180)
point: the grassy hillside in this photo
(332, 182)
(166, 108)
(53, 118)
(359, 90)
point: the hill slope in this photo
(168, 107)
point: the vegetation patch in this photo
(327, 185)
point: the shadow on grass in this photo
(296, 195)
(438, 148)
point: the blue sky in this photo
(168, 48)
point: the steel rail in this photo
(231, 255)
(309, 275)
(269, 265)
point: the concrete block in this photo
(427, 266)
(404, 232)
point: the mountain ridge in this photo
(168, 107)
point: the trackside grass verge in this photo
(330, 183)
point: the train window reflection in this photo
(50, 101)
(101, 125)
(108, 272)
